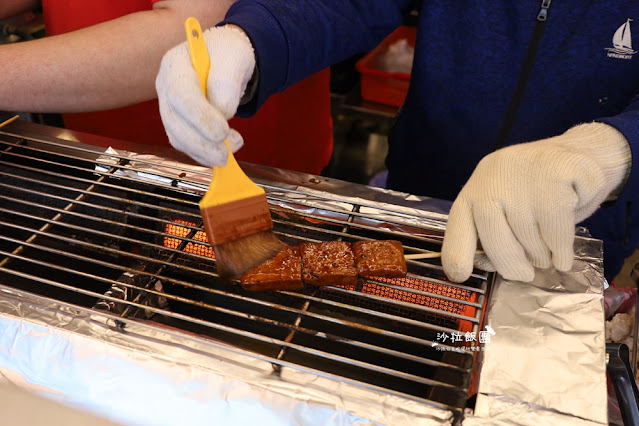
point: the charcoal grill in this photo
(118, 238)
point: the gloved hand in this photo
(194, 124)
(523, 202)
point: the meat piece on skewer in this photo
(328, 263)
(281, 272)
(380, 259)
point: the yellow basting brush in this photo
(235, 211)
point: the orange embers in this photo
(460, 308)
(180, 228)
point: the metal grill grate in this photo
(109, 240)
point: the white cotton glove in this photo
(195, 125)
(524, 201)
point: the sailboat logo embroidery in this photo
(622, 42)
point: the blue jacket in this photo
(467, 63)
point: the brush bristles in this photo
(234, 258)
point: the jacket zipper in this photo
(524, 74)
(543, 12)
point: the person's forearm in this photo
(106, 66)
(13, 7)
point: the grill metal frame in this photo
(89, 189)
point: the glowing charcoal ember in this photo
(180, 228)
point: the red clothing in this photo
(292, 130)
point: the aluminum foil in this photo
(309, 194)
(507, 411)
(151, 375)
(546, 359)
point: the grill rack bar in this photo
(152, 260)
(255, 336)
(355, 219)
(87, 170)
(196, 216)
(97, 194)
(171, 211)
(192, 285)
(104, 234)
(151, 163)
(233, 349)
(101, 220)
(272, 197)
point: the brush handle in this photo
(229, 182)
(11, 120)
(198, 51)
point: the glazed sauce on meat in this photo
(328, 263)
(380, 258)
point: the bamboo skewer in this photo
(430, 255)
(11, 120)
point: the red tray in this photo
(382, 86)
